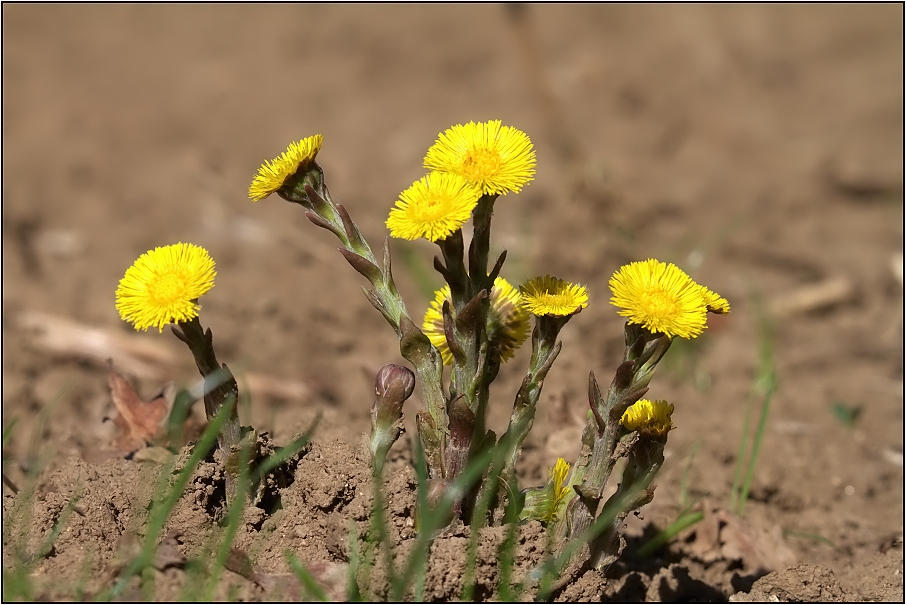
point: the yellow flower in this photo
(163, 286)
(273, 174)
(557, 477)
(552, 296)
(496, 158)
(715, 303)
(434, 207)
(508, 321)
(648, 417)
(544, 503)
(661, 297)
(433, 324)
(508, 324)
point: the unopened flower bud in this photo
(393, 385)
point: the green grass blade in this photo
(176, 421)
(765, 385)
(668, 533)
(550, 570)
(314, 592)
(813, 537)
(353, 593)
(684, 484)
(233, 520)
(740, 458)
(8, 431)
(756, 446)
(431, 520)
(286, 452)
(161, 512)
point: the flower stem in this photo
(597, 459)
(311, 193)
(219, 388)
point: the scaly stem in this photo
(596, 461)
(643, 463)
(545, 349)
(311, 192)
(219, 387)
(481, 243)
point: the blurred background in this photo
(759, 147)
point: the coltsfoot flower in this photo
(661, 297)
(553, 296)
(557, 477)
(496, 158)
(273, 173)
(508, 322)
(163, 286)
(434, 207)
(544, 503)
(649, 417)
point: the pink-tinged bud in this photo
(393, 385)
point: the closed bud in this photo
(393, 385)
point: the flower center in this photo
(659, 303)
(167, 288)
(434, 206)
(480, 163)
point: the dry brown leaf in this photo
(706, 545)
(757, 548)
(139, 421)
(168, 553)
(725, 535)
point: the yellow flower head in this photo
(715, 303)
(557, 477)
(648, 417)
(273, 174)
(495, 158)
(660, 297)
(508, 321)
(508, 324)
(163, 286)
(552, 296)
(434, 207)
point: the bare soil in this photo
(759, 147)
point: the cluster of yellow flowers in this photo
(467, 162)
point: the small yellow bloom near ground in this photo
(163, 286)
(496, 158)
(552, 296)
(649, 417)
(273, 173)
(558, 478)
(715, 303)
(508, 324)
(660, 297)
(434, 207)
